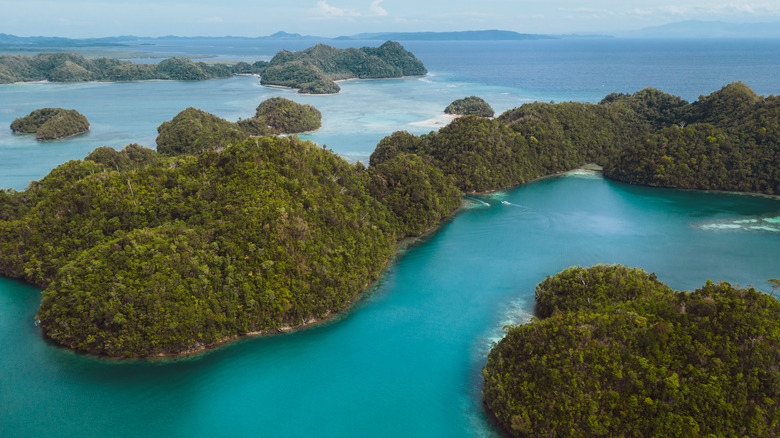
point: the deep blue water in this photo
(405, 360)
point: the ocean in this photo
(405, 360)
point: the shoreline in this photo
(438, 121)
(334, 80)
(400, 248)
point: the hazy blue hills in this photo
(16, 42)
(470, 35)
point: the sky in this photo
(330, 18)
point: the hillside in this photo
(623, 355)
(315, 69)
(51, 123)
(142, 254)
(728, 140)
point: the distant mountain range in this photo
(470, 35)
(683, 29)
(477, 35)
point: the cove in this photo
(406, 359)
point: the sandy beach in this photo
(436, 122)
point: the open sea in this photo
(405, 360)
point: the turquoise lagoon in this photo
(405, 360)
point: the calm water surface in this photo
(405, 360)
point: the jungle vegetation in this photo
(314, 70)
(283, 116)
(219, 234)
(51, 123)
(143, 254)
(72, 67)
(617, 353)
(728, 140)
(195, 131)
(311, 71)
(471, 105)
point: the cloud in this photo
(377, 10)
(325, 11)
(213, 20)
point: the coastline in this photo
(436, 122)
(400, 248)
(336, 81)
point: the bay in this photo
(405, 360)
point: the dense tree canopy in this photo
(142, 254)
(51, 123)
(639, 361)
(287, 117)
(471, 105)
(729, 140)
(278, 231)
(314, 70)
(193, 131)
(72, 67)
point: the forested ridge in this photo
(315, 69)
(728, 140)
(142, 254)
(618, 353)
(311, 71)
(218, 234)
(194, 131)
(72, 67)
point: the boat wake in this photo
(478, 201)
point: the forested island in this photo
(51, 123)
(618, 353)
(728, 140)
(311, 71)
(315, 69)
(218, 234)
(147, 253)
(72, 67)
(195, 131)
(472, 105)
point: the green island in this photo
(51, 124)
(142, 254)
(472, 105)
(315, 69)
(72, 67)
(615, 352)
(219, 234)
(725, 141)
(311, 71)
(195, 131)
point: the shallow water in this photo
(406, 359)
